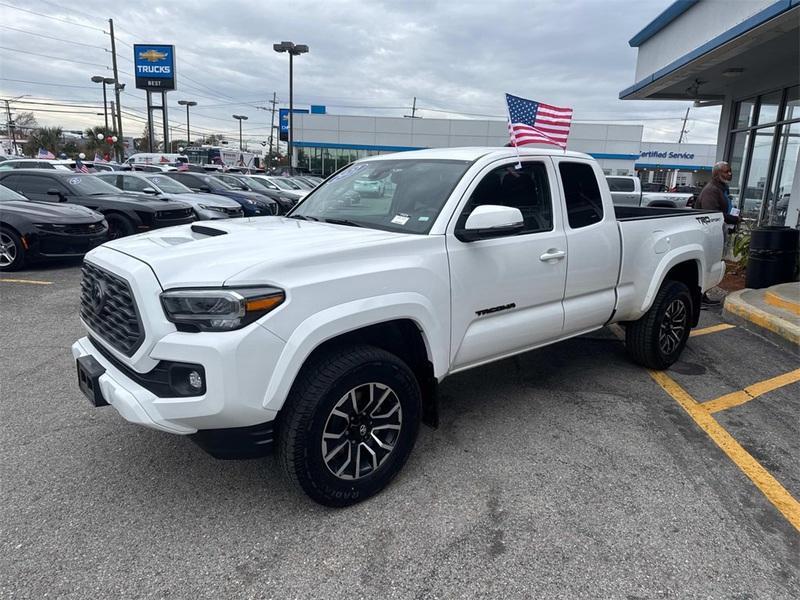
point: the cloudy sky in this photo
(369, 58)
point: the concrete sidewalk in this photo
(773, 312)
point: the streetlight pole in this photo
(187, 104)
(293, 50)
(105, 81)
(240, 118)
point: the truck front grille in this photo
(109, 309)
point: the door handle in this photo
(552, 254)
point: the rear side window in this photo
(620, 184)
(581, 193)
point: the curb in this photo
(778, 330)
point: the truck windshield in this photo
(404, 195)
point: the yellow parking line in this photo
(764, 481)
(788, 305)
(32, 281)
(712, 329)
(753, 391)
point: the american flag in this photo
(98, 158)
(45, 153)
(80, 167)
(532, 122)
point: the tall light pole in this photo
(240, 118)
(105, 81)
(293, 50)
(187, 104)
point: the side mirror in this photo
(149, 190)
(55, 192)
(491, 221)
(205, 188)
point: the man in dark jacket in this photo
(716, 194)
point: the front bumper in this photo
(238, 366)
(52, 244)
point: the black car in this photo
(254, 205)
(250, 184)
(126, 213)
(35, 231)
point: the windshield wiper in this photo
(343, 222)
(303, 218)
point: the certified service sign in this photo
(155, 67)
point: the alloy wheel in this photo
(361, 431)
(8, 250)
(673, 326)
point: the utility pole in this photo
(272, 127)
(683, 129)
(413, 114)
(117, 86)
(11, 129)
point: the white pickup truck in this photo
(627, 191)
(324, 334)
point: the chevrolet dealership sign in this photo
(154, 66)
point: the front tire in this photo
(657, 339)
(119, 226)
(12, 251)
(349, 424)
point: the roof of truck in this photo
(474, 153)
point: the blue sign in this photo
(283, 119)
(154, 66)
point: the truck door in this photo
(593, 245)
(506, 292)
(623, 191)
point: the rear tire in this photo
(119, 226)
(657, 339)
(12, 251)
(349, 424)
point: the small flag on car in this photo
(45, 153)
(531, 122)
(98, 158)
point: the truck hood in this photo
(237, 250)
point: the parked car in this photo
(325, 334)
(312, 181)
(126, 213)
(36, 163)
(287, 191)
(37, 231)
(254, 205)
(629, 191)
(206, 206)
(284, 201)
(302, 183)
(370, 187)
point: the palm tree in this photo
(48, 138)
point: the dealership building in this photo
(324, 143)
(744, 57)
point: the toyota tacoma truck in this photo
(324, 334)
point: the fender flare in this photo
(337, 320)
(689, 253)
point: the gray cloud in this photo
(458, 57)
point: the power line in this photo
(38, 14)
(52, 38)
(79, 62)
(48, 83)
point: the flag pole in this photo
(512, 136)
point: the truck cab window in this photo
(526, 189)
(581, 193)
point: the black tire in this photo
(657, 339)
(12, 252)
(119, 226)
(321, 387)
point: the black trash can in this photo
(773, 256)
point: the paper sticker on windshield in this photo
(351, 171)
(423, 219)
(400, 219)
(75, 180)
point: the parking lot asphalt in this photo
(567, 472)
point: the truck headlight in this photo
(220, 309)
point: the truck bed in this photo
(635, 213)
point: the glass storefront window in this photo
(783, 176)
(768, 110)
(739, 145)
(792, 110)
(753, 191)
(744, 114)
